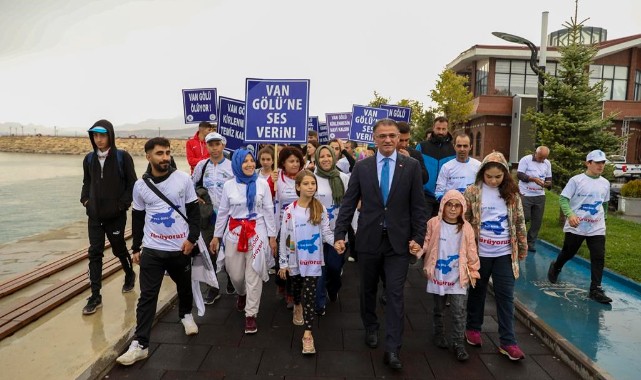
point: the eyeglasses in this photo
(384, 136)
(453, 205)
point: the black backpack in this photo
(207, 208)
(119, 157)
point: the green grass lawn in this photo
(622, 242)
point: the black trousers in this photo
(153, 264)
(596, 246)
(115, 231)
(395, 267)
(351, 245)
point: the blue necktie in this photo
(385, 179)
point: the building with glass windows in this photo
(504, 87)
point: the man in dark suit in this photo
(390, 226)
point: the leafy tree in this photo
(378, 100)
(571, 124)
(421, 120)
(452, 98)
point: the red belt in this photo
(247, 230)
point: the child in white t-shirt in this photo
(451, 263)
(304, 229)
(584, 201)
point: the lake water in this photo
(40, 200)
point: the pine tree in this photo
(571, 124)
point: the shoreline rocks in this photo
(77, 145)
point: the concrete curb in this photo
(104, 363)
(561, 347)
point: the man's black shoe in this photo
(230, 287)
(93, 304)
(130, 282)
(553, 273)
(392, 360)
(599, 296)
(212, 295)
(371, 339)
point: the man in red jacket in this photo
(196, 146)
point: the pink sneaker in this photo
(512, 351)
(473, 338)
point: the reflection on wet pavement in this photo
(608, 334)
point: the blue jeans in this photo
(330, 282)
(500, 268)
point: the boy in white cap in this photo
(584, 201)
(212, 173)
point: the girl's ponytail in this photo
(315, 211)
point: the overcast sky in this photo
(71, 62)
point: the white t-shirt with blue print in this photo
(447, 278)
(586, 197)
(165, 229)
(494, 232)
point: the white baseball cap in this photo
(596, 156)
(215, 136)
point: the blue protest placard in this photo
(312, 123)
(338, 125)
(232, 122)
(323, 134)
(398, 113)
(199, 104)
(276, 110)
(363, 120)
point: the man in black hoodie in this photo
(436, 150)
(107, 185)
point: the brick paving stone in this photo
(222, 351)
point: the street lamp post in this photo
(539, 69)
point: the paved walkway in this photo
(222, 351)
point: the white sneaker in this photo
(190, 326)
(133, 354)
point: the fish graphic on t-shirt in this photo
(164, 217)
(444, 265)
(330, 212)
(308, 244)
(494, 225)
(590, 207)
